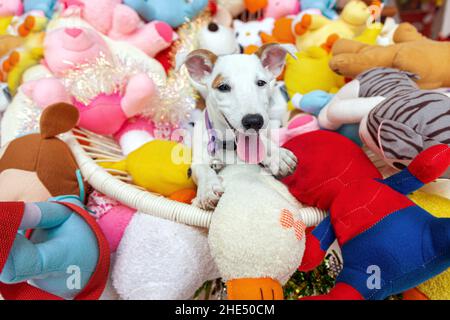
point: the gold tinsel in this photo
(178, 98)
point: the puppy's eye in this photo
(189, 173)
(261, 83)
(224, 88)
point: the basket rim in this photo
(143, 201)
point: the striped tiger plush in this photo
(397, 119)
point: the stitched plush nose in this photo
(253, 121)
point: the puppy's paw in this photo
(208, 194)
(281, 163)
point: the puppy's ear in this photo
(57, 119)
(273, 56)
(200, 63)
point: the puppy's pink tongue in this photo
(250, 148)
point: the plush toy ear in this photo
(273, 56)
(57, 119)
(200, 63)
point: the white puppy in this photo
(238, 92)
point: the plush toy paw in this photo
(46, 92)
(209, 193)
(125, 20)
(313, 255)
(281, 162)
(138, 94)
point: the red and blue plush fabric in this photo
(380, 231)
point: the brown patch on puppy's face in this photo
(218, 80)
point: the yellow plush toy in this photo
(370, 34)
(310, 71)
(313, 30)
(437, 288)
(158, 166)
(31, 30)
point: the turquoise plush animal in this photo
(327, 7)
(46, 6)
(173, 12)
(314, 101)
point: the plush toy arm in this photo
(45, 92)
(317, 244)
(125, 20)
(426, 167)
(44, 215)
(313, 102)
(339, 112)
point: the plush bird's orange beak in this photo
(254, 289)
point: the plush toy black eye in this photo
(261, 83)
(189, 173)
(224, 88)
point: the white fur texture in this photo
(161, 259)
(245, 236)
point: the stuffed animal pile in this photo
(362, 102)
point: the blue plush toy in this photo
(66, 256)
(327, 7)
(173, 12)
(314, 101)
(46, 6)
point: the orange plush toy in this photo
(282, 32)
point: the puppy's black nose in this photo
(253, 121)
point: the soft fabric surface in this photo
(161, 259)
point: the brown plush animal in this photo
(412, 52)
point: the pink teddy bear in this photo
(121, 22)
(280, 8)
(70, 53)
(10, 8)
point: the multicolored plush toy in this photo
(47, 7)
(326, 7)
(85, 74)
(30, 27)
(313, 103)
(367, 215)
(351, 58)
(173, 12)
(437, 288)
(43, 190)
(310, 71)
(313, 30)
(280, 8)
(120, 22)
(398, 120)
(248, 34)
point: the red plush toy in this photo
(389, 244)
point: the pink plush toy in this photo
(86, 76)
(280, 8)
(9, 8)
(121, 22)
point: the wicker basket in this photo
(118, 185)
